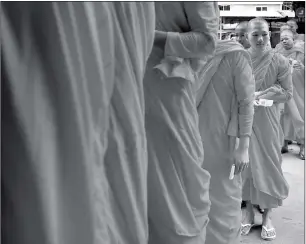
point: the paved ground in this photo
(288, 219)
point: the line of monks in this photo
(130, 123)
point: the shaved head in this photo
(285, 27)
(242, 26)
(257, 21)
(293, 25)
(288, 33)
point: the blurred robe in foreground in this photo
(225, 106)
(74, 147)
(177, 185)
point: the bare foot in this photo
(267, 219)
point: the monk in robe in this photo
(74, 146)
(178, 187)
(298, 38)
(294, 27)
(225, 97)
(293, 124)
(264, 182)
(241, 34)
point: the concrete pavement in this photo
(288, 219)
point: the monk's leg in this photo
(249, 214)
(267, 218)
(302, 151)
(285, 147)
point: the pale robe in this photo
(177, 185)
(225, 113)
(264, 183)
(293, 123)
(73, 92)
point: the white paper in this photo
(232, 173)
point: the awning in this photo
(254, 13)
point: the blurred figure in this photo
(225, 98)
(293, 118)
(241, 33)
(178, 186)
(294, 27)
(74, 147)
(265, 184)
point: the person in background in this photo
(299, 37)
(178, 187)
(225, 96)
(241, 34)
(74, 158)
(294, 27)
(265, 184)
(294, 112)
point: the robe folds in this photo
(178, 200)
(225, 96)
(293, 117)
(74, 168)
(263, 182)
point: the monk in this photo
(265, 183)
(293, 124)
(298, 38)
(225, 105)
(294, 27)
(74, 146)
(178, 187)
(241, 33)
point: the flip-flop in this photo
(246, 228)
(268, 234)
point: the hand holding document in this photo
(263, 103)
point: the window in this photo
(287, 6)
(225, 7)
(261, 9)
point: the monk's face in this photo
(292, 25)
(287, 40)
(258, 35)
(241, 36)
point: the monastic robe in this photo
(293, 118)
(264, 183)
(225, 106)
(177, 185)
(72, 92)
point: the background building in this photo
(276, 13)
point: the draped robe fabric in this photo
(263, 182)
(74, 146)
(178, 201)
(225, 105)
(293, 118)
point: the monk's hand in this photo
(241, 159)
(298, 65)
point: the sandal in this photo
(268, 234)
(246, 228)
